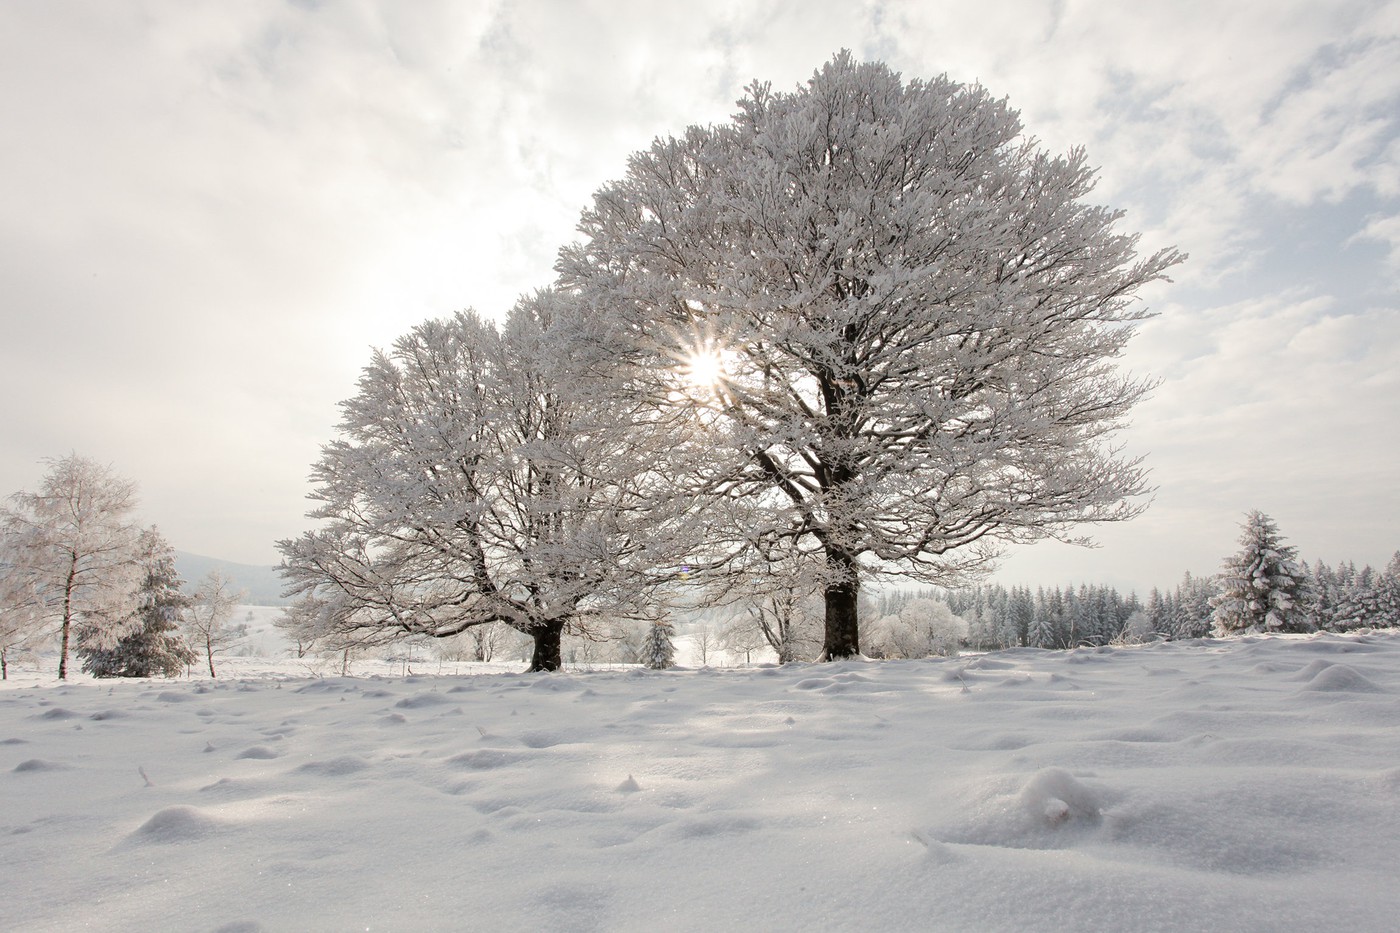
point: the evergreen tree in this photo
(659, 652)
(155, 647)
(1192, 607)
(1042, 628)
(1358, 603)
(1262, 585)
(1388, 594)
(1156, 611)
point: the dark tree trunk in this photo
(548, 637)
(842, 600)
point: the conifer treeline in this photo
(1336, 599)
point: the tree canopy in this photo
(916, 309)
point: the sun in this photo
(704, 369)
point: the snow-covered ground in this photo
(1249, 784)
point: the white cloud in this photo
(216, 208)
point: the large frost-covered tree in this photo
(1261, 586)
(486, 476)
(71, 548)
(910, 311)
(153, 645)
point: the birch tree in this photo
(208, 622)
(916, 309)
(72, 550)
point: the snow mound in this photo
(1339, 678)
(259, 752)
(1051, 810)
(486, 759)
(177, 824)
(423, 700)
(335, 767)
(1058, 798)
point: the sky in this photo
(213, 211)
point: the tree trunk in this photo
(67, 620)
(842, 599)
(548, 639)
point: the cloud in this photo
(215, 209)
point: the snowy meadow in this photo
(1241, 784)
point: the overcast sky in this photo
(210, 211)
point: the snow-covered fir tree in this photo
(1388, 594)
(659, 652)
(1042, 628)
(1262, 585)
(155, 647)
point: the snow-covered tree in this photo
(659, 651)
(911, 311)
(1261, 585)
(209, 622)
(1138, 629)
(71, 552)
(304, 623)
(923, 627)
(154, 644)
(489, 476)
(740, 636)
(1191, 606)
(1043, 628)
(19, 614)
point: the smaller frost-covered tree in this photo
(1262, 585)
(922, 628)
(1138, 629)
(69, 551)
(154, 646)
(659, 652)
(208, 625)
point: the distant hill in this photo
(263, 584)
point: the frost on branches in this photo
(69, 553)
(1262, 585)
(909, 313)
(153, 645)
(483, 476)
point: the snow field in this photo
(1248, 784)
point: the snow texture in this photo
(1250, 784)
